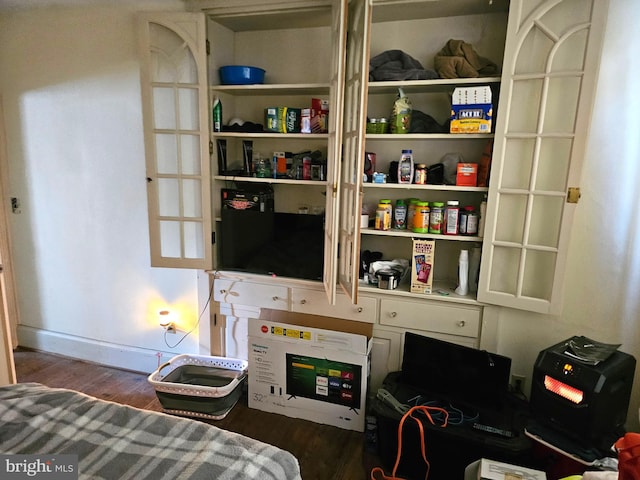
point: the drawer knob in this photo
(462, 323)
(303, 301)
(393, 314)
(360, 309)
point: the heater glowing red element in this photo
(565, 391)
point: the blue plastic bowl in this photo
(241, 75)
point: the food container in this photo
(388, 278)
(199, 386)
(241, 75)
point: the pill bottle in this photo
(411, 211)
(451, 218)
(436, 217)
(420, 174)
(421, 218)
(383, 215)
(400, 215)
(472, 221)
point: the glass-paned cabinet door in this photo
(550, 68)
(354, 120)
(176, 128)
(338, 32)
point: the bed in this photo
(115, 441)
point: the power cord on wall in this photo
(204, 309)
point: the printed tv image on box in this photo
(324, 380)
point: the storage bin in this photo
(199, 386)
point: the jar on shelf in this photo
(411, 211)
(451, 218)
(420, 174)
(372, 125)
(383, 216)
(468, 221)
(436, 217)
(421, 218)
(383, 126)
(400, 215)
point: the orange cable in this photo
(409, 414)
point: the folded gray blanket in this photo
(116, 441)
(397, 65)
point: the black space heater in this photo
(578, 404)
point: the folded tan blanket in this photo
(458, 59)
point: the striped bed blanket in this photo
(114, 441)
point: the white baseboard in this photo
(104, 353)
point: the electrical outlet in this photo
(518, 382)
(171, 328)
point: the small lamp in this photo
(164, 317)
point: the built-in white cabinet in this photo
(547, 52)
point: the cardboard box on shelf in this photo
(282, 119)
(467, 175)
(471, 110)
(422, 260)
(310, 373)
(485, 469)
(319, 115)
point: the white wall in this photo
(71, 89)
(69, 79)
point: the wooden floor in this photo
(324, 452)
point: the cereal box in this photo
(422, 260)
(319, 115)
(471, 110)
(282, 119)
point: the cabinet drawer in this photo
(252, 294)
(315, 302)
(431, 316)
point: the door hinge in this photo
(213, 238)
(208, 47)
(573, 195)
(210, 147)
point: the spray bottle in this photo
(217, 115)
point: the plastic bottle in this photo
(420, 177)
(383, 215)
(435, 220)
(483, 212)
(474, 269)
(421, 218)
(405, 167)
(400, 215)
(451, 218)
(217, 115)
(463, 273)
(411, 211)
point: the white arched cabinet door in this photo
(354, 120)
(176, 127)
(549, 74)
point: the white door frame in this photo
(8, 304)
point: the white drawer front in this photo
(252, 294)
(315, 302)
(431, 316)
